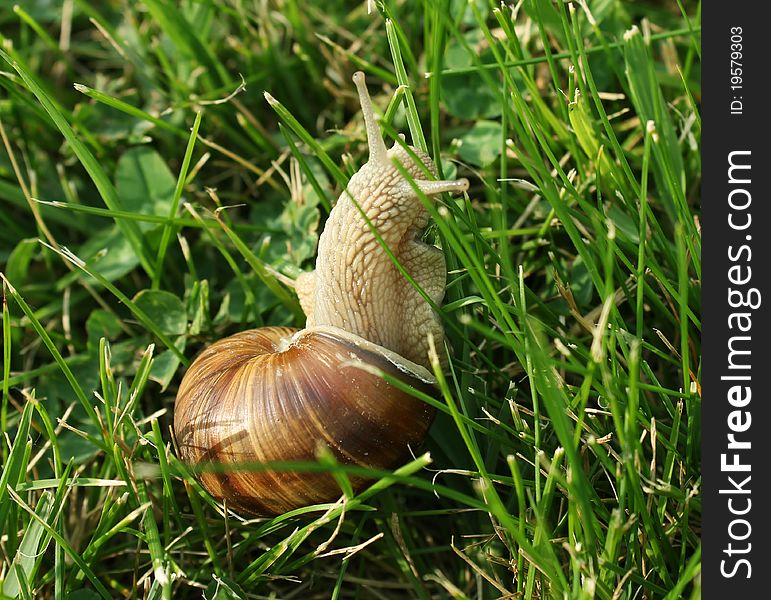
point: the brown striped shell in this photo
(275, 394)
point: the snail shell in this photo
(275, 393)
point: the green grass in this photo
(150, 195)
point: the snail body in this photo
(274, 394)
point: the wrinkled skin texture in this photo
(356, 286)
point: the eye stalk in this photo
(377, 147)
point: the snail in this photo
(274, 394)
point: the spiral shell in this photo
(274, 394)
